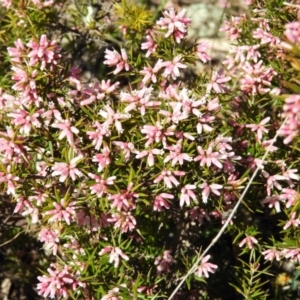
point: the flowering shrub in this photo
(128, 177)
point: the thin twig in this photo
(216, 238)
(7, 242)
(292, 5)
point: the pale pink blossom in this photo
(205, 267)
(218, 82)
(249, 241)
(65, 170)
(50, 237)
(293, 221)
(150, 45)
(67, 130)
(164, 262)
(172, 67)
(176, 24)
(200, 51)
(150, 155)
(103, 158)
(10, 180)
(112, 117)
(98, 135)
(161, 200)
(270, 254)
(186, 194)
(113, 58)
(140, 99)
(259, 128)
(208, 157)
(176, 156)
(273, 201)
(25, 120)
(289, 195)
(292, 32)
(58, 283)
(123, 220)
(151, 73)
(100, 186)
(157, 133)
(62, 211)
(125, 148)
(169, 178)
(44, 52)
(125, 200)
(115, 255)
(210, 188)
(232, 27)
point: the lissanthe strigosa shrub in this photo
(128, 178)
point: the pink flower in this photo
(150, 155)
(273, 201)
(113, 58)
(6, 3)
(50, 113)
(156, 133)
(176, 24)
(100, 186)
(292, 32)
(11, 144)
(161, 201)
(208, 188)
(292, 222)
(259, 128)
(67, 130)
(150, 73)
(265, 37)
(112, 294)
(172, 67)
(98, 135)
(25, 120)
(169, 178)
(112, 117)
(126, 149)
(201, 49)
(150, 45)
(257, 78)
(186, 194)
(62, 211)
(232, 27)
(103, 158)
(58, 283)
(67, 169)
(289, 195)
(123, 220)
(291, 110)
(176, 115)
(217, 82)
(139, 99)
(50, 238)
(205, 267)
(249, 241)
(9, 179)
(44, 52)
(125, 200)
(199, 214)
(270, 254)
(163, 263)
(176, 155)
(115, 254)
(208, 157)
